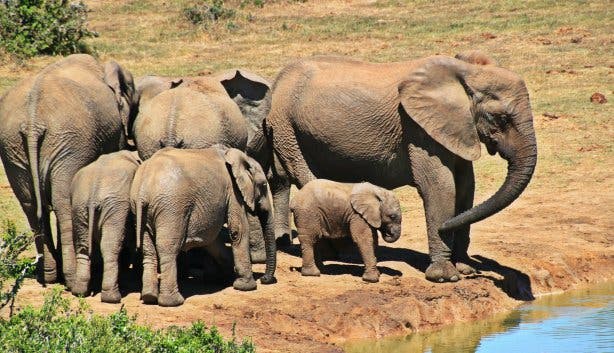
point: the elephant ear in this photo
(122, 84)
(366, 202)
(241, 171)
(436, 96)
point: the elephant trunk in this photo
(521, 158)
(268, 230)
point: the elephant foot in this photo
(268, 279)
(442, 271)
(110, 296)
(371, 276)
(243, 284)
(149, 296)
(80, 289)
(47, 276)
(174, 299)
(464, 269)
(310, 271)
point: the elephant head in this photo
(251, 182)
(249, 90)
(379, 208)
(122, 84)
(460, 104)
(148, 87)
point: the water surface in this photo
(576, 321)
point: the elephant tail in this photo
(33, 137)
(91, 225)
(141, 213)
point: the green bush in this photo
(207, 12)
(13, 268)
(59, 327)
(35, 27)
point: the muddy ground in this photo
(553, 238)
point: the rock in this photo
(598, 98)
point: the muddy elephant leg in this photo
(435, 184)
(364, 238)
(169, 237)
(111, 240)
(280, 190)
(308, 242)
(83, 248)
(465, 188)
(60, 196)
(238, 226)
(149, 292)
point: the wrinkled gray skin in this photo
(328, 209)
(198, 112)
(182, 198)
(417, 123)
(100, 199)
(52, 125)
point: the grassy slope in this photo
(564, 50)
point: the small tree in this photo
(35, 27)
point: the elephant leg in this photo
(60, 189)
(256, 240)
(435, 184)
(83, 248)
(280, 190)
(465, 188)
(111, 240)
(364, 237)
(149, 292)
(169, 236)
(238, 226)
(308, 242)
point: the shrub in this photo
(207, 12)
(13, 268)
(58, 327)
(35, 27)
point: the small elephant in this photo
(324, 208)
(100, 198)
(182, 198)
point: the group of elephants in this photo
(174, 160)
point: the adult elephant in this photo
(197, 112)
(415, 123)
(52, 125)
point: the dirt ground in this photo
(558, 235)
(547, 241)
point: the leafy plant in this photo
(13, 268)
(35, 27)
(59, 326)
(207, 12)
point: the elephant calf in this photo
(100, 198)
(182, 198)
(324, 208)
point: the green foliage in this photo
(35, 27)
(207, 12)
(12, 268)
(57, 327)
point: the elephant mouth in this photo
(390, 238)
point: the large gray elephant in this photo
(328, 209)
(52, 125)
(100, 199)
(182, 198)
(415, 123)
(198, 112)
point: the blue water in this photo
(577, 321)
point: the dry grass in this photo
(564, 50)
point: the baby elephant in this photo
(182, 198)
(324, 208)
(100, 199)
